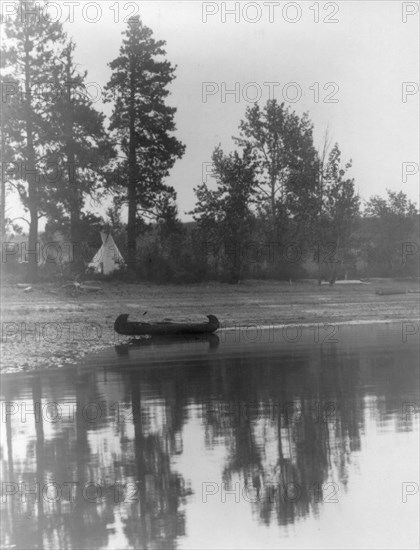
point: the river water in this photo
(306, 437)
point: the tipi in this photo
(108, 258)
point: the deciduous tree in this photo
(390, 238)
(334, 208)
(224, 214)
(282, 146)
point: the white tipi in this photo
(108, 258)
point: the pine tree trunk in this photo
(132, 203)
(32, 252)
(76, 245)
(131, 227)
(77, 265)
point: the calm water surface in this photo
(301, 439)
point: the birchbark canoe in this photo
(137, 328)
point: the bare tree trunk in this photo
(33, 249)
(31, 176)
(75, 237)
(335, 263)
(132, 174)
(77, 265)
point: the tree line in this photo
(275, 207)
(56, 150)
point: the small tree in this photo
(335, 206)
(224, 214)
(389, 238)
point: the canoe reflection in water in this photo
(211, 340)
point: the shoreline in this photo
(336, 323)
(47, 329)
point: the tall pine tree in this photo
(28, 60)
(81, 150)
(143, 124)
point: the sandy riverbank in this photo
(47, 327)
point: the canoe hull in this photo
(133, 328)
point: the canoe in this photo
(136, 328)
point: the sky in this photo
(346, 63)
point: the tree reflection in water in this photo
(287, 421)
